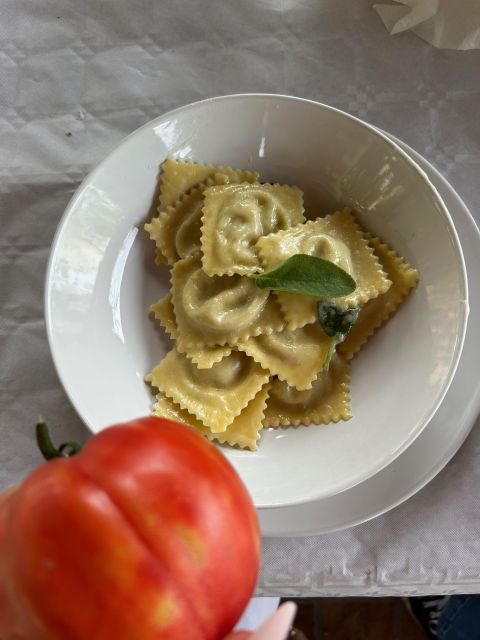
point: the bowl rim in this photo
(442, 208)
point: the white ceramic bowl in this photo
(101, 280)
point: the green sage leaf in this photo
(336, 324)
(309, 275)
(334, 321)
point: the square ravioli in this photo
(176, 229)
(243, 432)
(219, 310)
(179, 176)
(327, 401)
(337, 238)
(377, 311)
(215, 396)
(204, 357)
(246, 357)
(295, 357)
(235, 216)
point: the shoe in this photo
(426, 611)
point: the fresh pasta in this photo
(176, 229)
(377, 311)
(236, 216)
(219, 310)
(293, 356)
(178, 177)
(243, 431)
(215, 396)
(204, 357)
(246, 356)
(337, 238)
(328, 400)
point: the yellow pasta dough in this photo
(179, 176)
(219, 310)
(337, 238)
(204, 357)
(216, 395)
(176, 230)
(295, 357)
(377, 311)
(327, 401)
(235, 216)
(164, 313)
(159, 257)
(243, 432)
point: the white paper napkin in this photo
(446, 24)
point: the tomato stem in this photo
(46, 446)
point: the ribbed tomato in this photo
(148, 533)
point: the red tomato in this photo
(148, 533)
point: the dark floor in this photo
(355, 619)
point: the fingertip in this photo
(278, 625)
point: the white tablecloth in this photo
(78, 75)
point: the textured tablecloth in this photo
(77, 75)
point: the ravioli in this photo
(235, 216)
(215, 396)
(327, 401)
(337, 238)
(244, 357)
(295, 357)
(179, 176)
(176, 229)
(204, 357)
(219, 310)
(377, 311)
(243, 431)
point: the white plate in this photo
(436, 445)
(102, 279)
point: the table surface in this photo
(77, 75)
